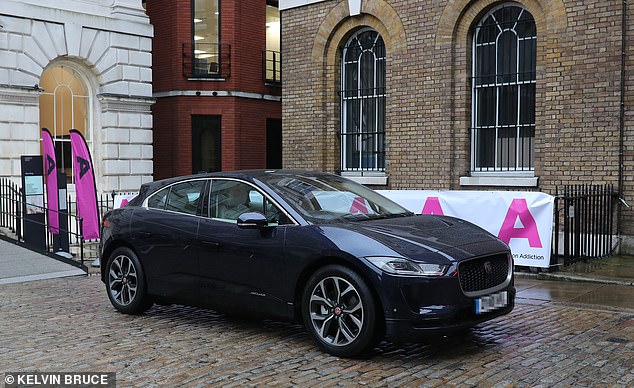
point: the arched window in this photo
(363, 102)
(503, 91)
(64, 105)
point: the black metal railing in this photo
(206, 60)
(272, 66)
(71, 225)
(12, 217)
(11, 207)
(105, 202)
(362, 138)
(503, 148)
(584, 223)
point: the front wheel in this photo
(125, 282)
(339, 311)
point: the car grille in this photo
(483, 273)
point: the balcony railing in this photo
(272, 66)
(206, 60)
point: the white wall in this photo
(109, 41)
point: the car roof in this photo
(247, 175)
(240, 174)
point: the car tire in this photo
(339, 311)
(125, 282)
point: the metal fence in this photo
(11, 207)
(272, 66)
(71, 225)
(12, 218)
(206, 60)
(584, 223)
(105, 202)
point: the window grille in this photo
(363, 103)
(503, 91)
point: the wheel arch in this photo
(348, 263)
(108, 249)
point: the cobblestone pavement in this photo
(68, 325)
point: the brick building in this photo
(464, 94)
(216, 68)
(82, 64)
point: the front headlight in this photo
(402, 266)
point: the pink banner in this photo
(50, 172)
(85, 185)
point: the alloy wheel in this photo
(123, 280)
(336, 311)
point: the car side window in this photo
(275, 215)
(229, 199)
(157, 201)
(184, 197)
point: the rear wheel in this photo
(125, 282)
(339, 311)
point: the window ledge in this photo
(207, 79)
(378, 179)
(515, 181)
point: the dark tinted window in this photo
(504, 78)
(363, 102)
(157, 201)
(184, 197)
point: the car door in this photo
(241, 267)
(165, 231)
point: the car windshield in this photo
(327, 198)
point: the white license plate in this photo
(491, 302)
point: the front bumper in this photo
(416, 307)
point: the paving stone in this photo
(68, 324)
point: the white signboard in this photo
(120, 200)
(524, 220)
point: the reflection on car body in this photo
(353, 266)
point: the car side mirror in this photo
(252, 220)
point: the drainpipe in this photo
(622, 118)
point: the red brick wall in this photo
(243, 119)
(243, 132)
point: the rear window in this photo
(182, 197)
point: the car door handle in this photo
(145, 234)
(210, 243)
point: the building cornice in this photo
(217, 93)
(354, 6)
(113, 102)
(107, 18)
(288, 4)
(18, 95)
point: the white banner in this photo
(524, 220)
(120, 200)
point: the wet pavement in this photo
(613, 269)
(559, 334)
(573, 327)
(616, 270)
(535, 291)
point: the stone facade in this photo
(109, 43)
(579, 138)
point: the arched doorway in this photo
(65, 105)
